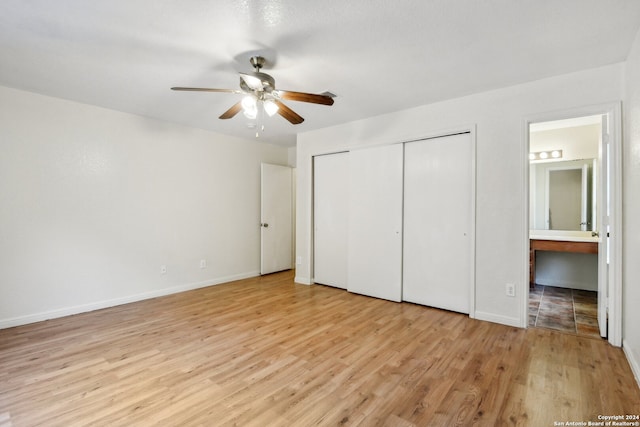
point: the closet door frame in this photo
(471, 129)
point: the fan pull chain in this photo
(260, 120)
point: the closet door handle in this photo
(264, 224)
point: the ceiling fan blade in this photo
(306, 97)
(205, 89)
(235, 109)
(288, 113)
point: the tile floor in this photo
(567, 310)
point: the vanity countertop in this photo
(563, 236)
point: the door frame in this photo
(614, 111)
(412, 137)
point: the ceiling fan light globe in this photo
(249, 103)
(270, 107)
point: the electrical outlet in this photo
(163, 269)
(510, 290)
(298, 260)
(203, 263)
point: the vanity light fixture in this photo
(546, 155)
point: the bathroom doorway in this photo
(570, 211)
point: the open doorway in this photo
(569, 211)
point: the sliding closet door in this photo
(375, 222)
(438, 222)
(330, 219)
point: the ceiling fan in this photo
(260, 88)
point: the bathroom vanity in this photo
(558, 241)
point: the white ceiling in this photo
(378, 56)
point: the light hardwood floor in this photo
(268, 352)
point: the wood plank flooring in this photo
(268, 352)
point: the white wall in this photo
(291, 152)
(94, 201)
(502, 230)
(631, 211)
(567, 270)
(579, 142)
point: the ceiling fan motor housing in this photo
(257, 81)
(257, 62)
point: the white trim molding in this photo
(84, 308)
(302, 280)
(614, 111)
(494, 318)
(634, 361)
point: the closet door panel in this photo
(330, 219)
(375, 222)
(437, 263)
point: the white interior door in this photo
(330, 219)
(601, 226)
(275, 218)
(438, 202)
(375, 222)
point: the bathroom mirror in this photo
(563, 195)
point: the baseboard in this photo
(83, 308)
(496, 318)
(302, 280)
(567, 284)
(632, 358)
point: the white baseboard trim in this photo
(496, 318)
(567, 284)
(633, 359)
(83, 308)
(302, 280)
